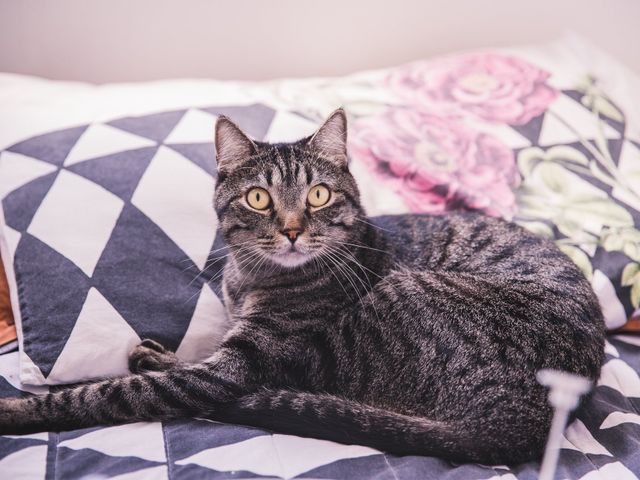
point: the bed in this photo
(546, 136)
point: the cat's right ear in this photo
(233, 147)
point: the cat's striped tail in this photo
(340, 420)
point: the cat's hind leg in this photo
(150, 356)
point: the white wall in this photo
(122, 40)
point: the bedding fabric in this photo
(8, 332)
(106, 224)
(111, 226)
(106, 228)
(602, 443)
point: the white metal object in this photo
(565, 390)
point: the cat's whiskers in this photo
(340, 265)
(274, 267)
(215, 277)
(340, 254)
(355, 260)
(263, 259)
(368, 291)
(212, 252)
(362, 246)
(206, 267)
(245, 276)
(358, 219)
(321, 259)
(242, 260)
(211, 264)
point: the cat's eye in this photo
(318, 196)
(258, 198)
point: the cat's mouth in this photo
(291, 258)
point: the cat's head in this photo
(286, 203)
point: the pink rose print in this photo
(493, 87)
(435, 163)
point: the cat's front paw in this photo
(150, 356)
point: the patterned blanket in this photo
(602, 443)
(538, 136)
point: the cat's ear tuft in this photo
(330, 140)
(233, 147)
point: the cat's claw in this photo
(153, 345)
(150, 356)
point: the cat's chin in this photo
(291, 259)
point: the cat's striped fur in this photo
(419, 335)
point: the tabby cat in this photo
(417, 335)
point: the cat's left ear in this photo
(233, 147)
(330, 141)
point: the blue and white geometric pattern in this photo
(602, 443)
(110, 227)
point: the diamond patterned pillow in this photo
(110, 227)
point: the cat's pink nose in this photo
(292, 233)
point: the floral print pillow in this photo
(489, 131)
